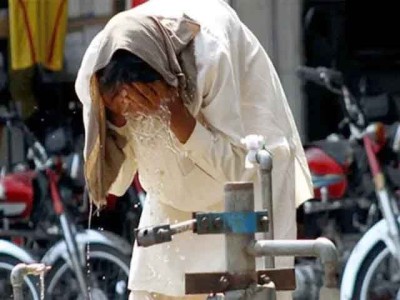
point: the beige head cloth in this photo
(167, 46)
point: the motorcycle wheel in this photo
(107, 276)
(31, 284)
(379, 276)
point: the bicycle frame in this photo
(68, 231)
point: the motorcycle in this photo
(356, 178)
(37, 205)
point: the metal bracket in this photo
(146, 237)
(206, 283)
(246, 222)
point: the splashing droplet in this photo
(88, 251)
(42, 286)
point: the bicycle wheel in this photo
(31, 284)
(107, 276)
(379, 276)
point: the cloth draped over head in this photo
(167, 46)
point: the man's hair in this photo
(124, 68)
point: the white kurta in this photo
(238, 93)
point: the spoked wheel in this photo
(107, 276)
(31, 284)
(379, 276)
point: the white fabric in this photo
(239, 93)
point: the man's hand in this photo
(149, 98)
(146, 98)
(182, 123)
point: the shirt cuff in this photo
(200, 140)
(121, 130)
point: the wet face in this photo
(139, 98)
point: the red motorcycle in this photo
(41, 210)
(356, 178)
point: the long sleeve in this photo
(219, 152)
(221, 157)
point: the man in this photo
(208, 84)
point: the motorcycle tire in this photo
(61, 283)
(365, 276)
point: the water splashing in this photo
(88, 251)
(41, 285)
(154, 129)
(148, 135)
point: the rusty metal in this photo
(263, 223)
(233, 186)
(224, 282)
(146, 237)
(321, 247)
(218, 223)
(284, 279)
(18, 274)
(264, 279)
(161, 234)
(206, 283)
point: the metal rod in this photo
(264, 159)
(239, 197)
(17, 279)
(74, 254)
(183, 226)
(321, 247)
(19, 272)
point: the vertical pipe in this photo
(17, 280)
(17, 277)
(264, 158)
(239, 197)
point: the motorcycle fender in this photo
(59, 250)
(378, 232)
(8, 248)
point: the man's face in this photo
(137, 98)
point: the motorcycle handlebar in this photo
(321, 75)
(8, 117)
